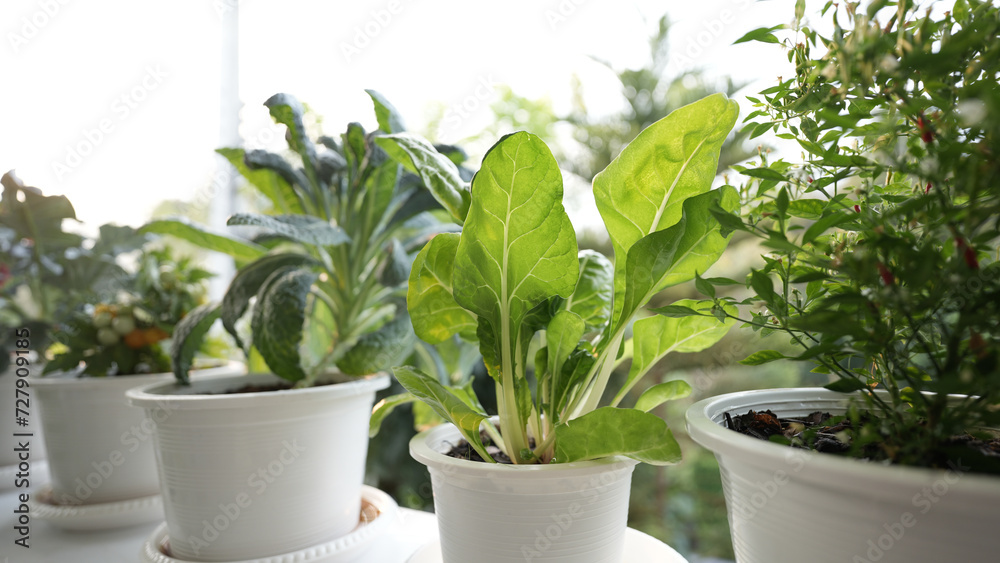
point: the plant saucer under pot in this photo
(246, 475)
(788, 504)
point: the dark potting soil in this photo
(462, 450)
(822, 432)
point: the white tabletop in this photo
(49, 544)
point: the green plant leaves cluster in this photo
(515, 275)
(321, 274)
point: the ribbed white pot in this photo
(9, 456)
(250, 475)
(99, 447)
(557, 513)
(789, 504)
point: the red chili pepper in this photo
(809, 178)
(926, 132)
(968, 253)
(4, 275)
(857, 208)
(887, 277)
(927, 190)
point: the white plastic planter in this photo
(558, 513)
(100, 450)
(251, 475)
(789, 504)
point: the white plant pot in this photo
(788, 504)
(557, 513)
(250, 475)
(99, 447)
(8, 423)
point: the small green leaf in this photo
(435, 314)
(762, 357)
(388, 118)
(439, 173)
(379, 350)
(824, 224)
(384, 408)
(676, 311)
(188, 336)
(610, 431)
(301, 228)
(445, 403)
(704, 287)
(661, 393)
(592, 297)
(183, 229)
(846, 385)
(765, 174)
(762, 34)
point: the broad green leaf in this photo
(388, 118)
(278, 318)
(268, 182)
(181, 228)
(762, 34)
(433, 310)
(380, 189)
(395, 266)
(246, 283)
(384, 408)
(301, 228)
(517, 250)
(445, 403)
(380, 350)
(655, 337)
(643, 189)
(439, 173)
(661, 393)
(591, 299)
(518, 247)
(674, 255)
(610, 431)
(762, 357)
(188, 336)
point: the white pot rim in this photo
(210, 393)
(423, 452)
(54, 379)
(703, 421)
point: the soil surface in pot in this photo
(462, 450)
(823, 432)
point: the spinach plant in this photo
(322, 278)
(515, 272)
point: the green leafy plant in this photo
(514, 276)
(129, 335)
(883, 239)
(47, 272)
(322, 275)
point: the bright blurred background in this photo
(119, 105)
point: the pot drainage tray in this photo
(102, 516)
(378, 513)
(639, 548)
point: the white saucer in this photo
(378, 512)
(639, 548)
(8, 473)
(103, 516)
